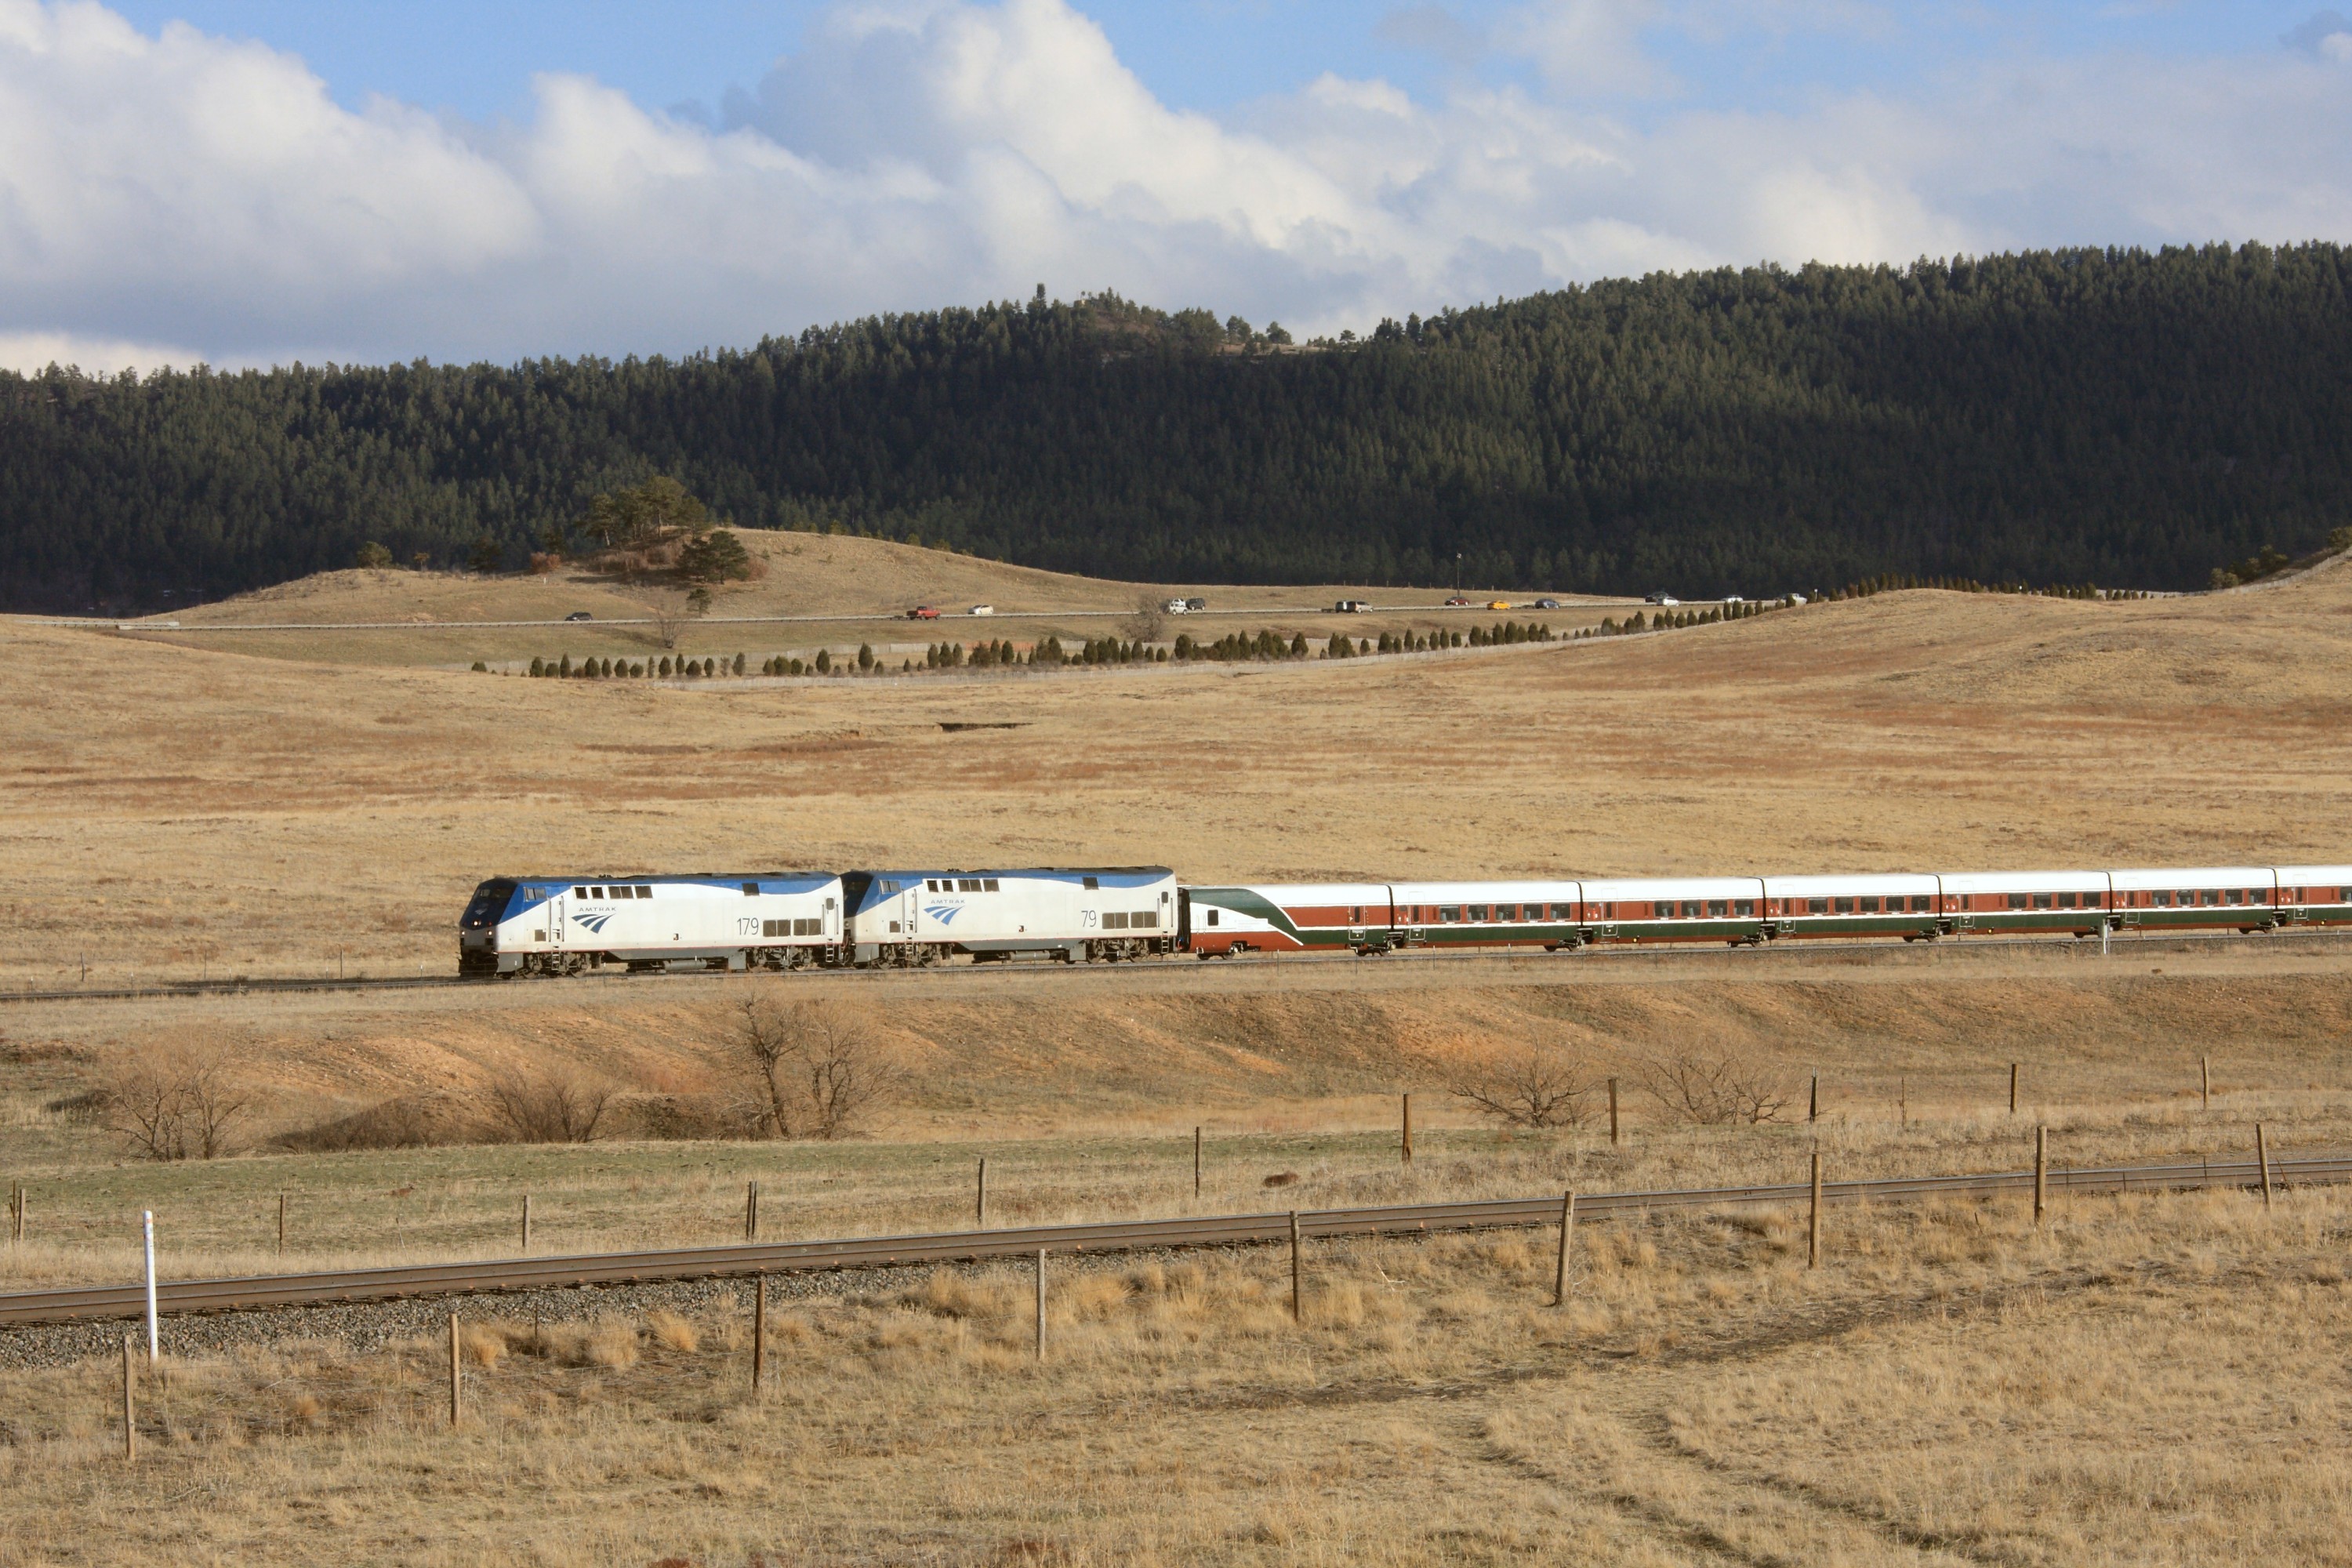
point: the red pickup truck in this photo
(923, 612)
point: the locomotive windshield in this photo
(490, 903)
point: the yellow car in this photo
(1499, 604)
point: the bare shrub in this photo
(1533, 1088)
(1716, 1088)
(179, 1101)
(553, 1109)
(1148, 621)
(407, 1122)
(820, 1070)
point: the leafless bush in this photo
(819, 1066)
(175, 1103)
(402, 1123)
(1149, 620)
(1716, 1088)
(1532, 1088)
(555, 1108)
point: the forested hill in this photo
(2112, 416)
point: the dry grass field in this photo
(2159, 1380)
(838, 592)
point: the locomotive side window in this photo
(988, 884)
(1212, 917)
(1092, 885)
(751, 889)
(643, 891)
(932, 884)
(1144, 920)
(1114, 921)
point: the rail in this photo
(503, 1274)
(2127, 940)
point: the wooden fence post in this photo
(750, 1211)
(1294, 1315)
(980, 1199)
(2012, 1088)
(1813, 1101)
(759, 1329)
(2041, 1171)
(2263, 1157)
(1567, 1229)
(526, 1222)
(1041, 1304)
(130, 1414)
(1407, 1115)
(1196, 1162)
(1613, 1113)
(453, 1369)
(1814, 1228)
(281, 1224)
(1902, 1099)
(2205, 1083)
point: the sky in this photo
(258, 181)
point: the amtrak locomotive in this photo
(793, 919)
(780, 920)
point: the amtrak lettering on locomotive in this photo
(557, 925)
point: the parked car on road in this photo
(1547, 604)
(984, 609)
(1191, 605)
(1178, 607)
(579, 615)
(923, 612)
(1457, 602)
(1349, 607)
(1663, 598)
(1499, 604)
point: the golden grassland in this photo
(833, 585)
(2159, 1380)
(182, 811)
(2152, 1380)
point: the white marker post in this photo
(155, 1348)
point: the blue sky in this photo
(254, 181)
(478, 59)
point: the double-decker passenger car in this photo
(926, 917)
(564, 925)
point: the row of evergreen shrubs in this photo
(624, 669)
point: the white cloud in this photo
(31, 353)
(180, 189)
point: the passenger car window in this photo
(1478, 911)
(1744, 909)
(1448, 913)
(1870, 906)
(1817, 906)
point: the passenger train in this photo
(789, 919)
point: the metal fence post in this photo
(1814, 1228)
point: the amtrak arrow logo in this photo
(943, 914)
(596, 924)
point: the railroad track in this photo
(490, 1277)
(2124, 943)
